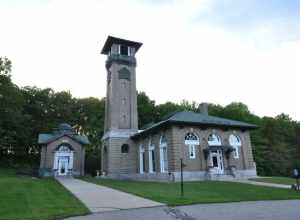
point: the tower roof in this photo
(114, 40)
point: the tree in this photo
(146, 109)
(5, 66)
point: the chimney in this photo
(203, 108)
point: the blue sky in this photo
(213, 50)
(241, 13)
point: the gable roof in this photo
(192, 118)
(48, 138)
(62, 130)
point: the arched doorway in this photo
(216, 155)
(63, 160)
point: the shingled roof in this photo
(62, 130)
(192, 118)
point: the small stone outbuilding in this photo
(62, 152)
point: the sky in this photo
(216, 51)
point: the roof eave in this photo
(247, 127)
(149, 130)
(110, 40)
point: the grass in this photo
(275, 179)
(27, 198)
(198, 192)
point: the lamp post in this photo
(296, 175)
(182, 165)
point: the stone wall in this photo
(177, 149)
(155, 139)
(48, 154)
(116, 162)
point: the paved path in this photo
(264, 184)
(99, 198)
(260, 210)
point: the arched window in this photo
(214, 140)
(163, 154)
(64, 148)
(235, 142)
(142, 158)
(125, 148)
(151, 148)
(191, 140)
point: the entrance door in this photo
(63, 165)
(217, 161)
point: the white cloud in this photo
(58, 45)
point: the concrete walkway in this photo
(100, 199)
(264, 184)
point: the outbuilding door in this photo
(63, 166)
(217, 162)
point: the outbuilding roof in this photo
(63, 130)
(192, 118)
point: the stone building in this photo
(209, 147)
(62, 152)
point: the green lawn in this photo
(198, 192)
(26, 198)
(275, 179)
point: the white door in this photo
(217, 162)
(63, 166)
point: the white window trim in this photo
(142, 158)
(191, 144)
(163, 163)
(151, 147)
(192, 148)
(236, 145)
(216, 142)
(236, 152)
(119, 49)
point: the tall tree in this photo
(5, 66)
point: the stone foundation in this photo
(187, 176)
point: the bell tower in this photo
(121, 118)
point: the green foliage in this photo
(5, 66)
(146, 109)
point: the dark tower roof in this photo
(114, 40)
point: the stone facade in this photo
(62, 152)
(48, 156)
(198, 168)
(145, 157)
(121, 120)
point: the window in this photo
(64, 148)
(163, 154)
(124, 50)
(191, 140)
(142, 159)
(151, 156)
(235, 142)
(192, 152)
(214, 140)
(125, 148)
